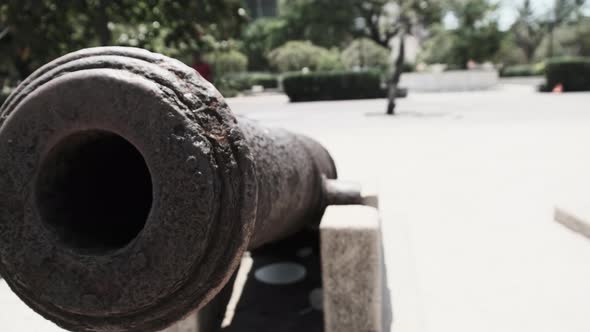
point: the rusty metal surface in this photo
(95, 244)
(290, 186)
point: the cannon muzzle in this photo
(129, 191)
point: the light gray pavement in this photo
(468, 183)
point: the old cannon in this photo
(129, 191)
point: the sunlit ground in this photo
(468, 182)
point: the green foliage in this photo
(333, 86)
(262, 36)
(231, 85)
(385, 19)
(572, 73)
(437, 48)
(227, 62)
(523, 70)
(527, 31)
(326, 23)
(574, 39)
(297, 55)
(330, 61)
(565, 11)
(266, 80)
(366, 53)
(33, 32)
(477, 38)
(245, 81)
(227, 86)
(563, 31)
(332, 23)
(510, 53)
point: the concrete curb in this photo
(578, 221)
(355, 295)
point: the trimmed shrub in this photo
(296, 55)
(523, 70)
(371, 54)
(245, 81)
(231, 84)
(333, 86)
(572, 73)
(330, 61)
(227, 62)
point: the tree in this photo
(563, 11)
(383, 17)
(366, 53)
(326, 23)
(386, 19)
(331, 23)
(575, 40)
(297, 55)
(261, 37)
(33, 32)
(528, 31)
(477, 37)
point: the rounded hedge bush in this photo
(297, 55)
(365, 53)
(226, 62)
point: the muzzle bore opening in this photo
(94, 191)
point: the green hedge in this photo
(297, 55)
(266, 80)
(245, 81)
(572, 73)
(537, 69)
(333, 86)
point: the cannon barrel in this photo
(129, 191)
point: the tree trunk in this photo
(397, 73)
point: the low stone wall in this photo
(448, 81)
(356, 297)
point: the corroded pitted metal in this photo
(129, 191)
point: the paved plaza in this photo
(468, 184)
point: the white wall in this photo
(457, 80)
